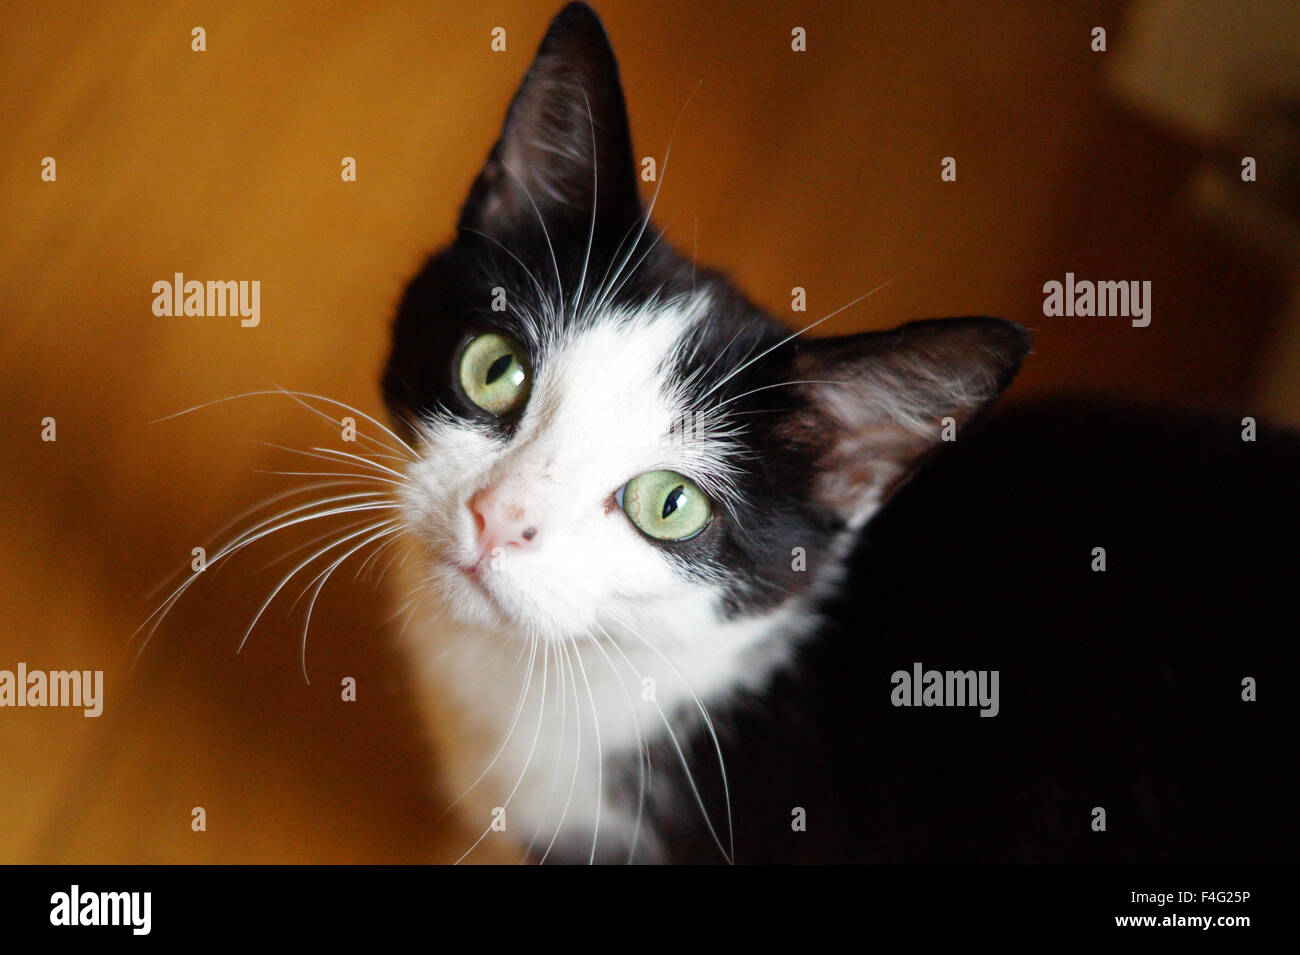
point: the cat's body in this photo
(661, 536)
(1119, 689)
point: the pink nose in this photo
(499, 523)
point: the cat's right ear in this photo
(876, 403)
(565, 150)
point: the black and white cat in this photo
(681, 566)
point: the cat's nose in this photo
(500, 522)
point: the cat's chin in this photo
(473, 577)
(472, 601)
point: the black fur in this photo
(1120, 689)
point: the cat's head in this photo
(609, 435)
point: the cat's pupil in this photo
(671, 501)
(498, 368)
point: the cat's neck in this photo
(542, 726)
(627, 663)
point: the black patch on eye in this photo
(498, 368)
(670, 502)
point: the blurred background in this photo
(818, 169)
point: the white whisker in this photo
(793, 335)
(366, 477)
(324, 577)
(541, 715)
(555, 772)
(248, 537)
(672, 736)
(541, 292)
(530, 646)
(298, 396)
(600, 756)
(608, 280)
(643, 749)
(577, 759)
(545, 234)
(293, 573)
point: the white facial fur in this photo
(546, 656)
(599, 414)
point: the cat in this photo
(691, 586)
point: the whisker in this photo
(312, 543)
(793, 335)
(555, 772)
(600, 756)
(332, 456)
(545, 234)
(632, 272)
(248, 512)
(324, 579)
(243, 540)
(729, 856)
(541, 715)
(514, 719)
(603, 299)
(779, 384)
(562, 648)
(595, 194)
(401, 444)
(372, 559)
(403, 553)
(293, 573)
(298, 396)
(643, 750)
(362, 460)
(366, 477)
(541, 293)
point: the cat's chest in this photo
(531, 737)
(547, 745)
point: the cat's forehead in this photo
(613, 386)
(626, 353)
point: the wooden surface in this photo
(819, 170)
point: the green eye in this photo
(665, 505)
(494, 373)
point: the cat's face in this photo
(612, 438)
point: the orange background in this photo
(818, 170)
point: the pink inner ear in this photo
(877, 401)
(863, 467)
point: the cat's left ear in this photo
(565, 147)
(878, 402)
